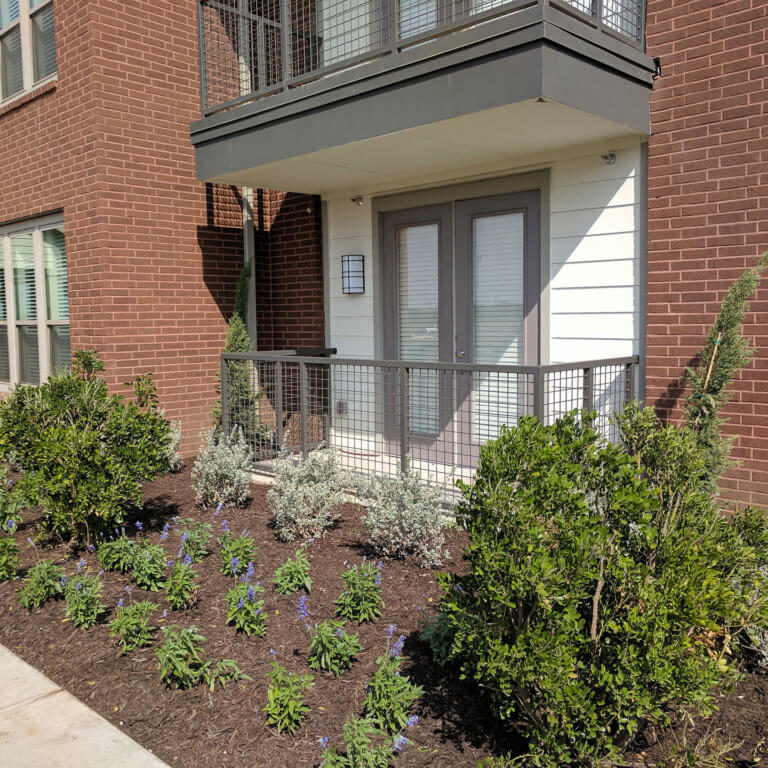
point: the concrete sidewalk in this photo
(43, 726)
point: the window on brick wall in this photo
(27, 45)
(34, 302)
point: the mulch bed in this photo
(228, 727)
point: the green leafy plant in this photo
(180, 661)
(11, 501)
(44, 581)
(332, 649)
(85, 452)
(605, 589)
(391, 694)
(221, 474)
(724, 353)
(365, 746)
(293, 574)
(149, 566)
(305, 494)
(244, 611)
(83, 600)
(361, 599)
(117, 554)
(237, 552)
(285, 698)
(180, 587)
(195, 536)
(9, 558)
(131, 625)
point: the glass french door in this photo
(461, 284)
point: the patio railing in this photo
(389, 417)
(252, 48)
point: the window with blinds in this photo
(34, 311)
(27, 45)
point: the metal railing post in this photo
(629, 393)
(303, 411)
(226, 420)
(203, 57)
(538, 394)
(589, 389)
(404, 421)
(392, 21)
(285, 42)
(279, 404)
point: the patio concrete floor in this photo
(44, 726)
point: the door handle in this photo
(459, 354)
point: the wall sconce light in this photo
(609, 158)
(356, 200)
(352, 273)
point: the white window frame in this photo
(24, 22)
(36, 229)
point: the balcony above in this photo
(349, 91)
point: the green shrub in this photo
(195, 536)
(180, 661)
(44, 581)
(293, 574)
(9, 558)
(361, 599)
(117, 554)
(83, 600)
(285, 698)
(180, 587)
(332, 649)
(390, 694)
(305, 494)
(149, 566)
(237, 552)
(604, 589)
(11, 501)
(244, 611)
(85, 452)
(365, 746)
(131, 625)
(222, 471)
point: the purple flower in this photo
(220, 506)
(79, 585)
(245, 533)
(166, 530)
(185, 536)
(225, 526)
(391, 629)
(165, 613)
(412, 720)
(187, 560)
(100, 573)
(397, 648)
(139, 525)
(273, 653)
(91, 548)
(233, 563)
(400, 742)
(30, 542)
(323, 742)
(80, 565)
(339, 633)
(63, 579)
(127, 589)
(378, 578)
(179, 553)
(251, 594)
(303, 610)
(170, 563)
(241, 603)
(10, 525)
(248, 575)
(121, 602)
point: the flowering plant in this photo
(131, 625)
(332, 649)
(293, 574)
(361, 599)
(237, 552)
(180, 587)
(83, 597)
(285, 698)
(244, 611)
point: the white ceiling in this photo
(505, 136)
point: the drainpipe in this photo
(249, 248)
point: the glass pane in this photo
(10, 53)
(55, 260)
(29, 357)
(9, 12)
(5, 368)
(61, 356)
(417, 17)
(24, 277)
(35, 3)
(419, 319)
(44, 42)
(498, 245)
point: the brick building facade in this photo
(153, 255)
(708, 205)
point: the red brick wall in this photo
(708, 205)
(153, 255)
(289, 275)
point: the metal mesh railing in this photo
(251, 48)
(389, 417)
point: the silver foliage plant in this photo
(221, 474)
(403, 517)
(305, 494)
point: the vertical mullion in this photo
(43, 347)
(13, 347)
(27, 52)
